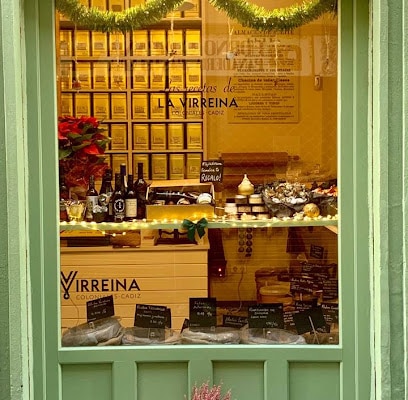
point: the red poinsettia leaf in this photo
(92, 149)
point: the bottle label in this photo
(119, 209)
(91, 202)
(131, 208)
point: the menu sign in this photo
(150, 316)
(100, 308)
(203, 312)
(266, 316)
(211, 171)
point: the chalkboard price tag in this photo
(150, 316)
(100, 308)
(302, 284)
(266, 316)
(302, 305)
(316, 251)
(306, 320)
(203, 312)
(330, 289)
(211, 171)
(234, 321)
(331, 313)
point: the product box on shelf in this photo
(170, 188)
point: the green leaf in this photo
(80, 146)
(64, 153)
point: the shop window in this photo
(229, 135)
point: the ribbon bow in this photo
(192, 228)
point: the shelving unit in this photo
(144, 87)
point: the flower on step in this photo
(205, 392)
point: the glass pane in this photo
(199, 182)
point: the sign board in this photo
(203, 312)
(100, 308)
(211, 171)
(309, 320)
(150, 316)
(266, 316)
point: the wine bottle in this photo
(64, 195)
(118, 199)
(105, 194)
(141, 189)
(91, 199)
(171, 197)
(123, 173)
(130, 200)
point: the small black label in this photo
(302, 284)
(266, 316)
(100, 308)
(203, 312)
(234, 321)
(316, 251)
(331, 313)
(330, 289)
(309, 320)
(211, 171)
(150, 316)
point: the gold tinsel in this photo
(247, 14)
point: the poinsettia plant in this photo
(82, 143)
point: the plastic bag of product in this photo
(219, 335)
(148, 336)
(102, 332)
(269, 336)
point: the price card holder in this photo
(211, 171)
(311, 320)
(266, 316)
(186, 324)
(203, 312)
(100, 308)
(234, 321)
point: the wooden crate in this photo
(161, 275)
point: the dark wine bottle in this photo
(141, 189)
(118, 199)
(105, 194)
(123, 173)
(91, 199)
(63, 195)
(130, 200)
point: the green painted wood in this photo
(303, 384)
(390, 197)
(14, 283)
(85, 382)
(355, 241)
(199, 363)
(124, 371)
(42, 189)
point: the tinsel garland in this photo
(247, 14)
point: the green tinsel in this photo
(247, 14)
